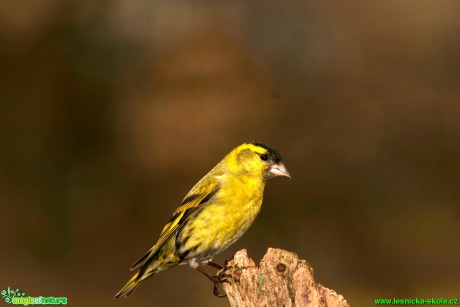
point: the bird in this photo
(216, 212)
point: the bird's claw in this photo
(218, 280)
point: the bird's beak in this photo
(279, 169)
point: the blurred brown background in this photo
(112, 111)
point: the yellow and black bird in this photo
(213, 215)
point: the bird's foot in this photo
(218, 280)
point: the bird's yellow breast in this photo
(227, 216)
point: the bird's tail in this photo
(148, 265)
(129, 287)
(135, 281)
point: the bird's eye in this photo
(264, 157)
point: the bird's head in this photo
(257, 159)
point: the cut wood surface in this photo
(281, 279)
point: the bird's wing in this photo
(195, 199)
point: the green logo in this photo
(17, 297)
(9, 294)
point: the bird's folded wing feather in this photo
(194, 201)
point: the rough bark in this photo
(282, 279)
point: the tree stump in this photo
(282, 279)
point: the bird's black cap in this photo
(274, 154)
